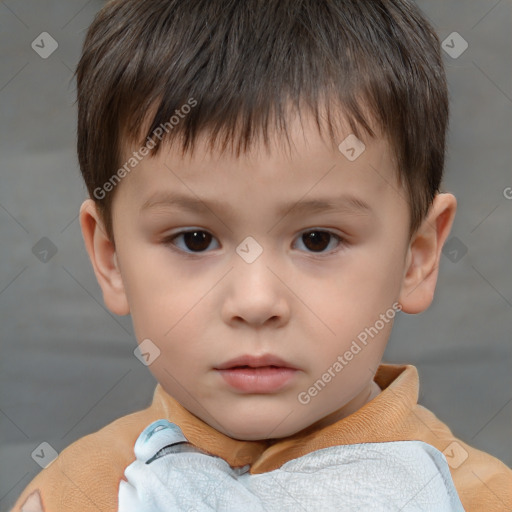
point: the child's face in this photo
(207, 299)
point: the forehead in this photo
(305, 168)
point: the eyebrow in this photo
(343, 204)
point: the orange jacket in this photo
(86, 475)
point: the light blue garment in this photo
(171, 475)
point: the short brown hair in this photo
(243, 61)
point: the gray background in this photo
(67, 366)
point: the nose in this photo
(256, 294)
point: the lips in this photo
(257, 374)
(255, 362)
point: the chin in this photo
(257, 430)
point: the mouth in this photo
(249, 361)
(257, 374)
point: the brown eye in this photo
(318, 240)
(193, 241)
(197, 240)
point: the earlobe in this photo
(103, 256)
(424, 255)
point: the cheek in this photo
(154, 286)
(346, 306)
(357, 290)
(171, 309)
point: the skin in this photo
(33, 503)
(304, 303)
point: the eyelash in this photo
(169, 241)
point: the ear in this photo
(103, 258)
(424, 254)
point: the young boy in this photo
(264, 185)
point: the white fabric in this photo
(401, 476)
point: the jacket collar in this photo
(379, 420)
